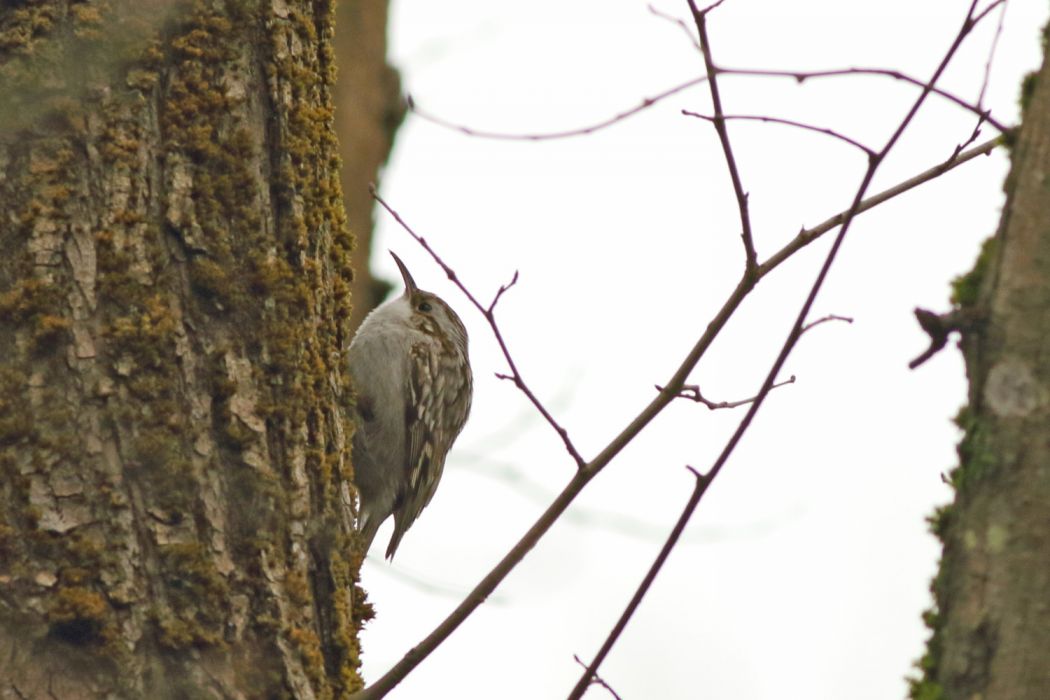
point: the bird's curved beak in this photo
(410, 284)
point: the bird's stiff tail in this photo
(367, 527)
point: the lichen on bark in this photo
(990, 623)
(175, 508)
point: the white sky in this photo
(805, 570)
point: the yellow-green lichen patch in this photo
(210, 280)
(975, 458)
(351, 610)
(145, 337)
(196, 597)
(211, 154)
(38, 414)
(16, 420)
(232, 433)
(87, 21)
(306, 329)
(120, 143)
(317, 243)
(81, 616)
(50, 332)
(116, 282)
(33, 303)
(965, 288)
(309, 647)
(8, 543)
(923, 685)
(164, 471)
(22, 28)
(298, 588)
(77, 556)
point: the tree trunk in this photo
(175, 511)
(992, 619)
(369, 108)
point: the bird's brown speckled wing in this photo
(436, 388)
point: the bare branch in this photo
(807, 236)
(704, 12)
(550, 136)
(973, 136)
(799, 76)
(991, 56)
(486, 586)
(802, 76)
(974, 19)
(490, 316)
(692, 393)
(825, 319)
(700, 19)
(597, 680)
(591, 672)
(676, 21)
(589, 470)
(788, 122)
(788, 345)
(502, 288)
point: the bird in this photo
(411, 375)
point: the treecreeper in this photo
(412, 379)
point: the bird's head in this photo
(429, 311)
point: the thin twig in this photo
(985, 115)
(787, 122)
(552, 135)
(700, 19)
(489, 313)
(703, 482)
(597, 679)
(973, 135)
(648, 102)
(991, 56)
(692, 393)
(676, 21)
(502, 289)
(825, 319)
(985, 12)
(802, 76)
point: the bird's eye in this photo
(424, 306)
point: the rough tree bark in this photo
(175, 514)
(991, 623)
